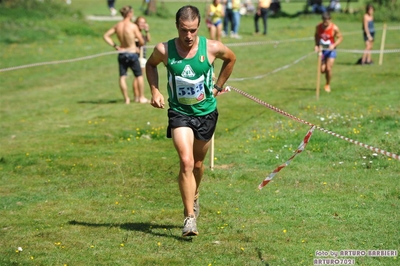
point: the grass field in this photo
(88, 180)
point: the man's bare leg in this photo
(328, 73)
(183, 141)
(200, 151)
(124, 89)
(138, 90)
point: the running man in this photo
(328, 36)
(192, 109)
(127, 33)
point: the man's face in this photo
(187, 31)
(326, 22)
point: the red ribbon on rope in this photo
(301, 148)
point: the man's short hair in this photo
(187, 13)
(326, 16)
(125, 11)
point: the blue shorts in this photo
(366, 37)
(217, 23)
(129, 60)
(328, 54)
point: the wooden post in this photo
(212, 153)
(151, 8)
(319, 70)
(382, 44)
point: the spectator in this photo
(232, 16)
(215, 14)
(127, 33)
(111, 7)
(369, 34)
(334, 6)
(262, 12)
(145, 30)
(317, 7)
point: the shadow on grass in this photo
(144, 227)
(301, 89)
(102, 101)
(347, 64)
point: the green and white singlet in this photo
(190, 81)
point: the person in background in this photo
(111, 7)
(328, 36)
(215, 14)
(127, 33)
(262, 12)
(317, 7)
(145, 30)
(192, 113)
(369, 34)
(145, 5)
(232, 16)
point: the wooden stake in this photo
(319, 70)
(212, 153)
(382, 44)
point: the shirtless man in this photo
(127, 32)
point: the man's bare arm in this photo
(316, 37)
(107, 37)
(222, 52)
(339, 36)
(158, 56)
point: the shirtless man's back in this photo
(127, 33)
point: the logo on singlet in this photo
(173, 61)
(188, 72)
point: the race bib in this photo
(188, 91)
(325, 43)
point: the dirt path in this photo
(104, 18)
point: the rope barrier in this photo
(371, 51)
(58, 61)
(279, 111)
(276, 70)
(228, 44)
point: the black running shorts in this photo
(203, 126)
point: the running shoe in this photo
(189, 226)
(327, 88)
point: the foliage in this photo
(387, 13)
(163, 11)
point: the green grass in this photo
(88, 180)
